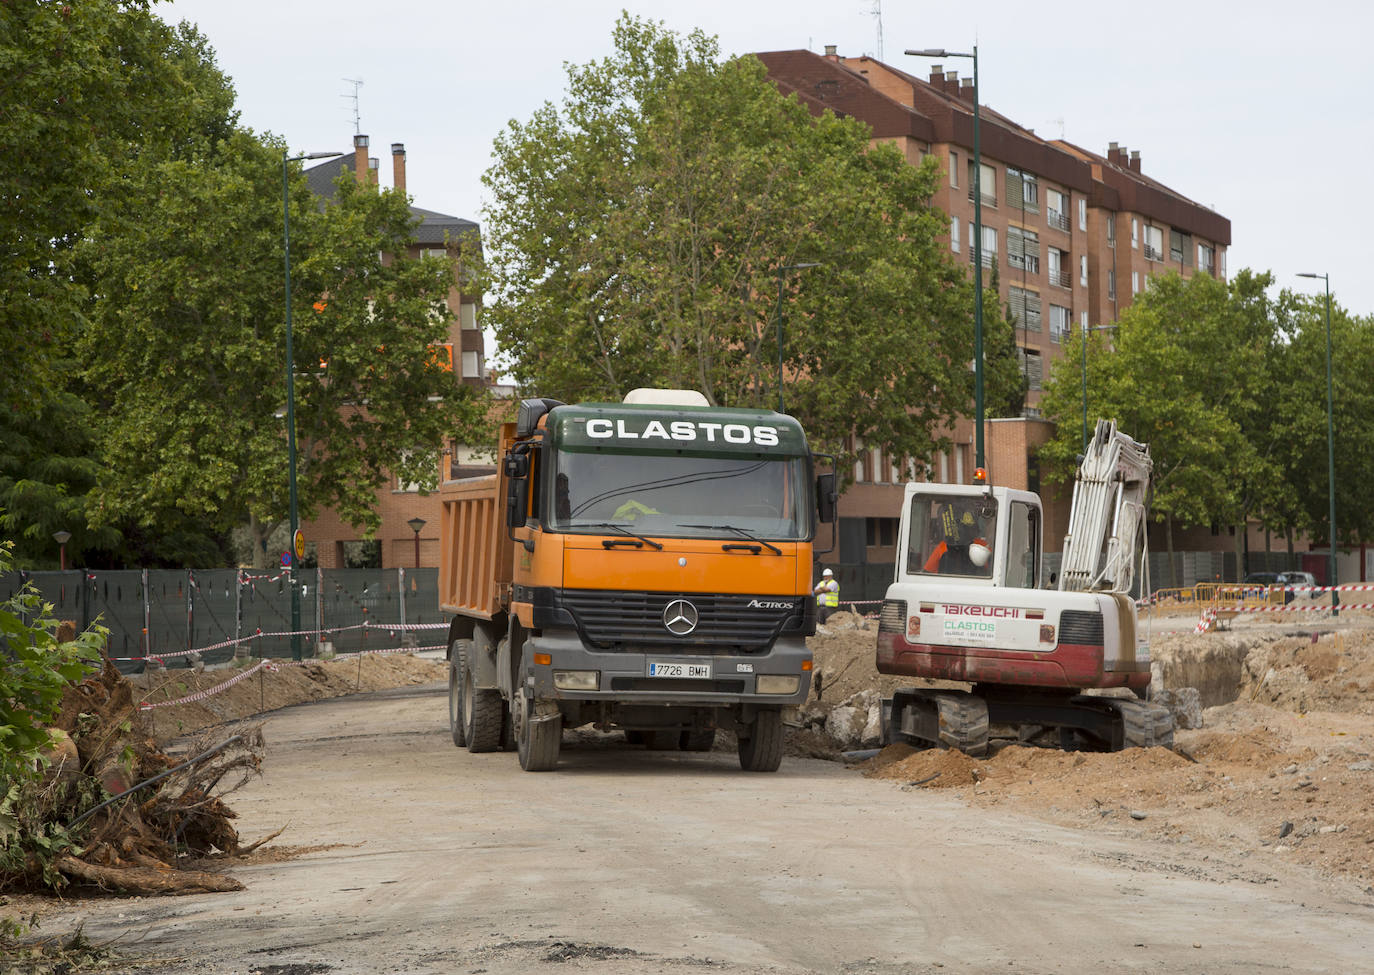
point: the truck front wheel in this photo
(538, 736)
(761, 750)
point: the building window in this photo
(987, 183)
(1111, 230)
(1031, 368)
(467, 315)
(882, 532)
(434, 252)
(1135, 232)
(1180, 247)
(1135, 282)
(1154, 243)
(1206, 258)
(1024, 306)
(954, 170)
(989, 247)
(1023, 249)
(1083, 320)
(472, 365)
(1057, 260)
(1082, 214)
(1111, 287)
(1023, 189)
(954, 234)
(1059, 323)
(1083, 269)
(1057, 215)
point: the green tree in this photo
(1298, 404)
(640, 235)
(86, 91)
(186, 345)
(1186, 372)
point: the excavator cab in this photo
(975, 536)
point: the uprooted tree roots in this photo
(153, 840)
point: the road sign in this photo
(286, 560)
(299, 544)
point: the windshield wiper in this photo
(740, 531)
(624, 531)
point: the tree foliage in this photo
(35, 668)
(642, 234)
(186, 344)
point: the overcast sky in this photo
(1260, 110)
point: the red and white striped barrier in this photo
(210, 691)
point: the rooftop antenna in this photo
(878, 16)
(357, 117)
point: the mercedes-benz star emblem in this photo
(680, 617)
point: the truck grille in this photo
(1081, 627)
(608, 620)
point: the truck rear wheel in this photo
(481, 712)
(455, 697)
(536, 741)
(761, 751)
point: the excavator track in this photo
(944, 719)
(1144, 725)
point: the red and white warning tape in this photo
(211, 691)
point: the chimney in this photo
(360, 158)
(373, 165)
(1111, 151)
(1135, 160)
(830, 53)
(937, 76)
(966, 90)
(398, 166)
(951, 85)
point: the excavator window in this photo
(952, 535)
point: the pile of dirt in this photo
(1282, 766)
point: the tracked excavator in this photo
(967, 604)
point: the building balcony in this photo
(1057, 220)
(1061, 278)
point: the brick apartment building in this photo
(333, 540)
(1073, 236)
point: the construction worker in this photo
(827, 596)
(961, 549)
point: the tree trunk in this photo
(1242, 538)
(1291, 563)
(147, 880)
(259, 532)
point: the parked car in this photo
(1261, 579)
(1297, 579)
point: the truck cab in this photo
(659, 578)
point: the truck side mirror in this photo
(826, 498)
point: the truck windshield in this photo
(680, 496)
(951, 535)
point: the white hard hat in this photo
(979, 552)
(827, 572)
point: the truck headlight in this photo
(577, 680)
(777, 684)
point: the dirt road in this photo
(626, 860)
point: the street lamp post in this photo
(1330, 447)
(1086, 330)
(62, 538)
(291, 392)
(777, 317)
(415, 525)
(977, 248)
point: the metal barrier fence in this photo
(216, 612)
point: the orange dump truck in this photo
(643, 565)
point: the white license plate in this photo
(663, 668)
